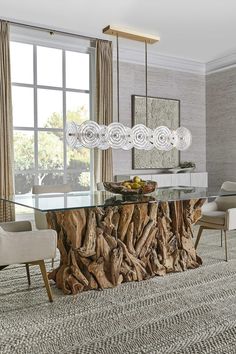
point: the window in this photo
(50, 86)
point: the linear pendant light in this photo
(89, 134)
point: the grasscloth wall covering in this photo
(221, 126)
(188, 88)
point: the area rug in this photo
(190, 312)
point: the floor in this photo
(190, 312)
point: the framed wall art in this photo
(161, 111)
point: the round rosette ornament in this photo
(184, 138)
(117, 135)
(89, 134)
(141, 137)
(162, 138)
(72, 135)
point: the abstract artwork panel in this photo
(161, 111)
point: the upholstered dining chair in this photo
(18, 226)
(219, 214)
(100, 186)
(28, 247)
(40, 217)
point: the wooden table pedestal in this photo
(103, 247)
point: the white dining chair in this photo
(39, 216)
(219, 214)
(100, 186)
(18, 245)
(18, 226)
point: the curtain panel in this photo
(103, 168)
(6, 126)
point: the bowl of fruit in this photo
(133, 186)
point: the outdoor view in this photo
(50, 87)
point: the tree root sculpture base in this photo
(105, 246)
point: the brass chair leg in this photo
(28, 273)
(221, 238)
(45, 278)
(198, 236)
(226, 249)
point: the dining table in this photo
(106, 239)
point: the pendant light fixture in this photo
(89, 134)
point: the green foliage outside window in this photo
(50, 155)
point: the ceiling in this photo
(200, 30)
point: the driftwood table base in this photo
(103, 247)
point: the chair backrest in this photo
(57, 188)
(16, 226)
(100, 186)
(40, 217)
(26, 246)
(227, 202)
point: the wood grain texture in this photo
(149, 240)
(130, 34)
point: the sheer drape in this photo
(103, 159)
(6, 126)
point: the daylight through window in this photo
(50, 87)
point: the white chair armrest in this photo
(231, 219)
(212, 206)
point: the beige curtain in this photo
(6, 126)
(103, 159)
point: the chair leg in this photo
(226, 248)
(221, 238)
(45, 278)
(28, 273)
(52, 263)
(198, 236)
(2, 267)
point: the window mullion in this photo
(92, 109)
(36, 178)
(64, 112)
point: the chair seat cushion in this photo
(214, 217)
(26, 247)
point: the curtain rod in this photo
(52, 31)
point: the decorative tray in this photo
(181, 170)
(131, 187)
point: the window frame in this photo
(85, 49)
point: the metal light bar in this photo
(133, 35)
(91, 135)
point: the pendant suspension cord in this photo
(146, 83)
(118, 77)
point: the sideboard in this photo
(194, 179)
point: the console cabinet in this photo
(195, 179)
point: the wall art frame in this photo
(161, 111)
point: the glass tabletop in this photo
(77, 200)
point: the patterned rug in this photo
(190, 312)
